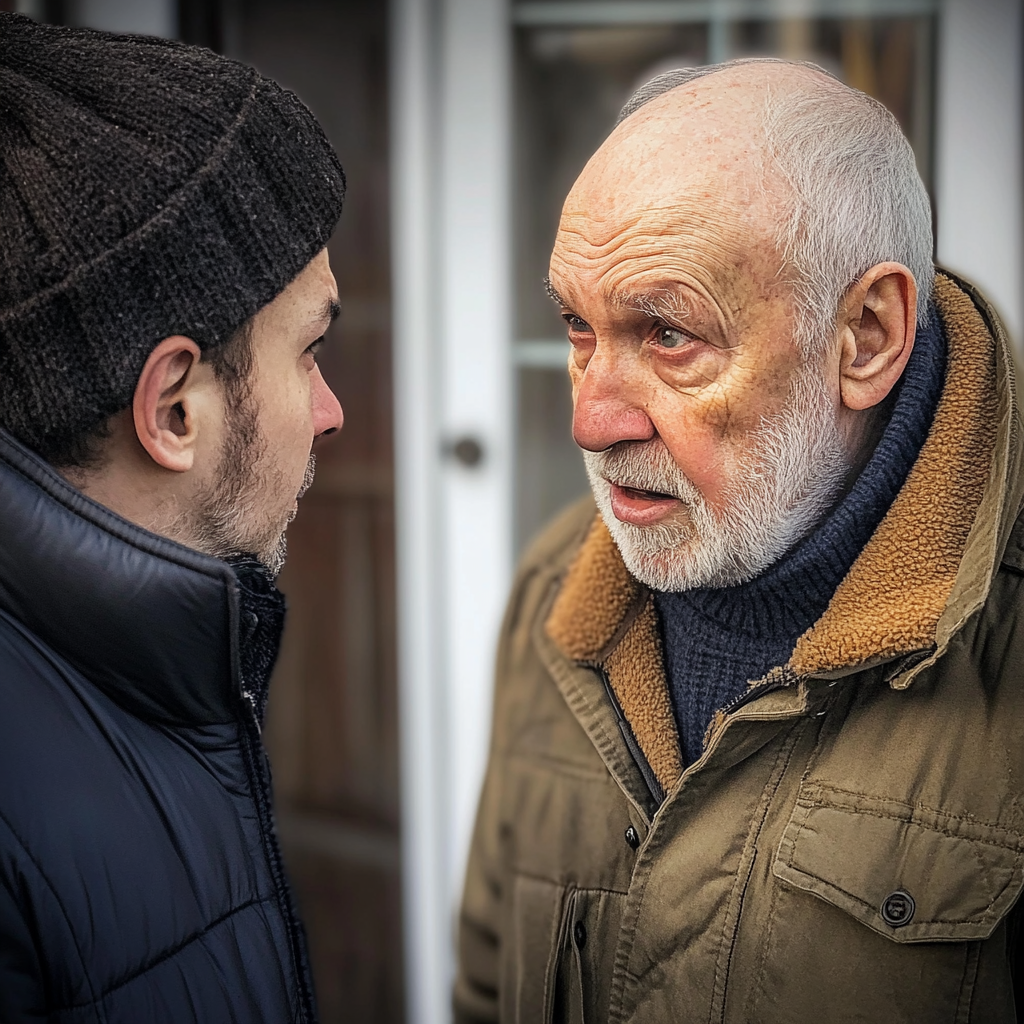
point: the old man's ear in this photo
(876, 324)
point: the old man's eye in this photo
(577, 324)
(671, 337)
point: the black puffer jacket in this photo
(140, 878)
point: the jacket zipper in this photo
(778, 680)
(657, 794)
(259, 772)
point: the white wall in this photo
(980, 115)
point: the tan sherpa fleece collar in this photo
(927, 567)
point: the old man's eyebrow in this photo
(552, 294)
(658, 303)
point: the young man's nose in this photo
(327, 414)
(607, 411)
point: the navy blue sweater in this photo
(717, 640)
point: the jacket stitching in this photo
(257, 770)
(912, 819)
(779, 769)
(968, 981)
(565, 884)
(57, 899)
(757, 989)
(169, 953)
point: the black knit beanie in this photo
(147, 188)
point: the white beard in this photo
(788, 479)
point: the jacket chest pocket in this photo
(905, 899)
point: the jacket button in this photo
(579, 934)
(632, 837)
(898, 908)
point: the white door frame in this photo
(450, 82)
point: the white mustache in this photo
(643, 466)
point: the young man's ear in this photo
(876, 325)
(166, 404)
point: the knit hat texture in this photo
(147, 188)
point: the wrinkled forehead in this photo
(694, 156)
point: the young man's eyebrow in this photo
(330, 312)
(327, 314)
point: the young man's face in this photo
(265, 458)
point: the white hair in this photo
(855, 198)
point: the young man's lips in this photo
(641, 508)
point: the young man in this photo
(164, 286)
(757, 752)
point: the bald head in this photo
(695, 149)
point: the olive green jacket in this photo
(850, 844)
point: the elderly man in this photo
(164, 288)
(757, 747)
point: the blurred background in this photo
(461, 125)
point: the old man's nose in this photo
(605, 414)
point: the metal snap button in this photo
(898, 908)
(632, 837)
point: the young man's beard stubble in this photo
(232, 518)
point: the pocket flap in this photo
(909, 873)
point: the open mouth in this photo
(639, 507)
(638, 494)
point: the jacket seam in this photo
(968, 983)
(911, 818)
(260, 785)
(782, 762)
(565, 883)
(53, 892)
(1012, 847)
(169, 953)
